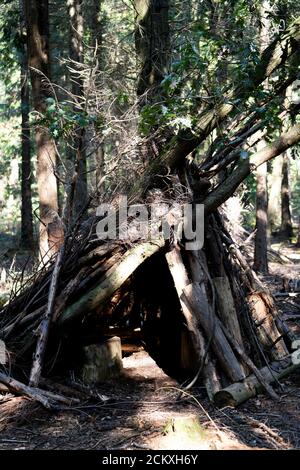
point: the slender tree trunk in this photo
(274, 203)
(286, 219)
(298, 235)
(97, 29)
(26, 208)
(261, 241)
(37, 19)
(76, 55)
(261, 237)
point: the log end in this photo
(102, 361)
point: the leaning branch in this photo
(112, 281)
(224, 191)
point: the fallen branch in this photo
(239, 392)
(34, 393)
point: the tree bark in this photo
(261, 236)
(77, 152)
(261, 239)
(286, 219)
(152, 45)
(97, 29)
(27, 240)
(274, 202)
(37, 20)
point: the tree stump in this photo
(102, 361)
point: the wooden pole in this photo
(195, 297)
(37, 365)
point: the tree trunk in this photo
(274, 202)
(261, 240)
(240, 392)
(261, 236)
(37, 20)
(97, 30)
(286, 219)
(152, 45)
(298, 234)
(152, 41)
(78, 147)
(27, 240)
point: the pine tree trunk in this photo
(78, 146)
(152, 42)
(286, 219)
(261, 237)
(27, 240)
(97, 29)
(261, 240)
(152, 45)
(37, 20)
(274, 203)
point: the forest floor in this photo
(144, 409)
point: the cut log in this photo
(262, 308)
(226, 307)
(3, 388)
(211, 378)
(112, 281)
(181, 280)
(237, 393)
(246, 359)
(102, 361)
(194, 296)
(265, 325)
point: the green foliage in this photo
(62, 120)
(214, 45)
